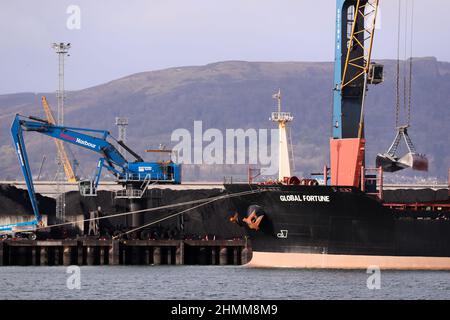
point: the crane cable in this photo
(407, 82)
(207, 200)
(410, 63)
(405, 63)
(397, 78)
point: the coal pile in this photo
(210, 220)
(413, 196)
(16, 202)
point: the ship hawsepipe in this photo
(337, 227)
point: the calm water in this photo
(213, 282)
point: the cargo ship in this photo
(340, 227)
(339, 219)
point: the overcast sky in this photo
(117, 38)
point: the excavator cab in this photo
(87, 188)
(390, 162)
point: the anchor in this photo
(390, 162)
(253, 220)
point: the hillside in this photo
(237, 94)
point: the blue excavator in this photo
(134, 176)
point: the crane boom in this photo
(128, 173)
(361, 37)
(353, 71)
(59, 145)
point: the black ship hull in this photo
(338, 227)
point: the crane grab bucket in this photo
(410, 160)
(390, 162)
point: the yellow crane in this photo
(59, 145)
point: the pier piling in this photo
(114, 252)
(157, 256)
(179, 255)
(122, 252)
(34, 260)
(146, 255)
(80, 258)
(102, 256)
(223, 256)
(169, 255)
(245, 255)
(213, 255)
(56, 256)
(66, 256)
(90, 256)
(1, 253)
(43, 256)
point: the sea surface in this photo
(217, 282)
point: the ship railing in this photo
(374, 177)
(128, 194)
(282, 116)
(135, 193)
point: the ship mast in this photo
(283, 118)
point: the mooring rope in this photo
(212, 199)
(162, 219)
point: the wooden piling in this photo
(114, 253)
(43, 253)
(213, 255)
(102, 256)
(56, 259)
(124, 255)
(245, 255)
(67, 258)
(34, 256)
(156, 256)
(179, 254)
(146, 254)
(223, 256)
(169, 255)
(90, 256)
(80, 253)
(2, 260)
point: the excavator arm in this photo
(116, 162)
(19, 145)
(137, 172)
(76, 136)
